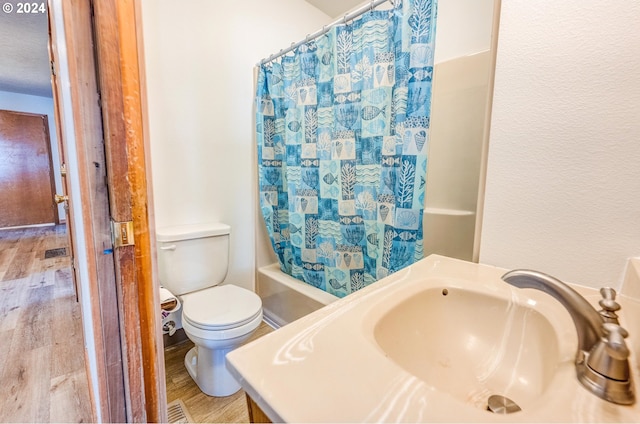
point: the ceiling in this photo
(335, 8)
(24, 55)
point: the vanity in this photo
(440, 341)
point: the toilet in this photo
(192, 262)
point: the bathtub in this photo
(285, 299)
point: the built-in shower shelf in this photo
(448, 212)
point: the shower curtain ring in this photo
(371, 10)
(344, 20)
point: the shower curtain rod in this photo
(348, 17)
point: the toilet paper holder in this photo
(169, 304)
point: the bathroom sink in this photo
(472, 345)
(438, 341)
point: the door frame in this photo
(117, 26)
(127, 379)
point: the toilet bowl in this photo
(192, 261)
(217, 320)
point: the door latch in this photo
(60, 198)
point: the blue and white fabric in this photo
(342, 133)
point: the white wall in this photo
(462, 73)
(463, 27)
(200, 56)
(42, 106)
(461, 93)
(563, 183)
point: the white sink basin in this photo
(471, 345)
(402, 351)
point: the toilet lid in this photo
(221, 307)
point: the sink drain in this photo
(502, 405)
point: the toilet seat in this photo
(221, 308)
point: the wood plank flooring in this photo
(203, 408)
(42, 374)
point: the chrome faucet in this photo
(602, 363)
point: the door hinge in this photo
(122, 233)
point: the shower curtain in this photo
(342, 133)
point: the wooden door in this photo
(26, 180)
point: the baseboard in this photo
(18, 227)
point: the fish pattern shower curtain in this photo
(342, 133)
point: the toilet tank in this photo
(192, 257)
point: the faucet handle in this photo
(607, 372)
(609, 305)
(609, 356)
(615, 345)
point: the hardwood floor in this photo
(203, 408)
(42, 374)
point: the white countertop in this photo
(326, 367)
